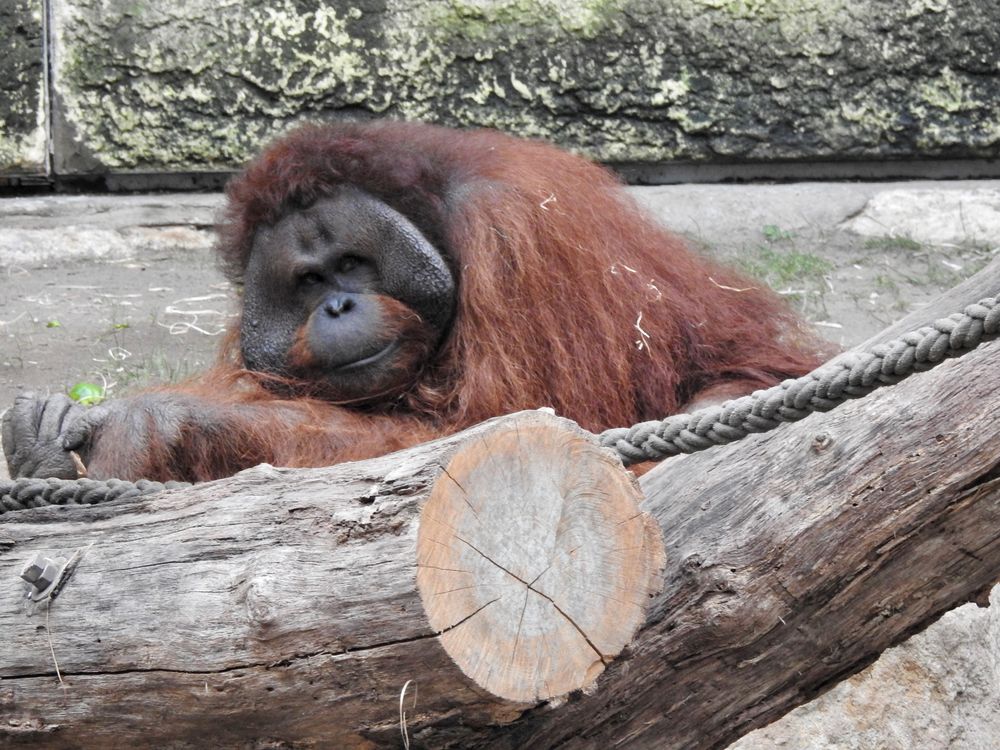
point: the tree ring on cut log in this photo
(535, 563)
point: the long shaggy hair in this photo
(569, 296)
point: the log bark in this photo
(463, 580)
(287, 609)
(796, 557)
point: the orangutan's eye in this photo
(348, 263)
(310, 278)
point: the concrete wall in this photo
(145, 87)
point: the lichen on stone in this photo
(22, 89)
(198, 86)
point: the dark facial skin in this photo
(346, 294)
(346, 297)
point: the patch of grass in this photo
(156, 368)
(129, 364)
(783, 268)
(799, 277)
(774, 233)
(892, 243)
(885, 283)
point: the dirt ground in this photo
(123, 291)
(118, 323)
(120, 291)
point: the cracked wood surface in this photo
(288, 604)
(533, 542)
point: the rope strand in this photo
(32, 492)
(848, 376)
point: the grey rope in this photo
(849, 375)
(30, 492)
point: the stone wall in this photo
(22, 89)
(195, 87)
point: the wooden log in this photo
(534, 544)
(280, 609)
(796, 557)
(296, 605)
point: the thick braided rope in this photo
(20, 494)
(850, 375)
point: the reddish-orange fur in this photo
(568, 297)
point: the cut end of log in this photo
(535, 563)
